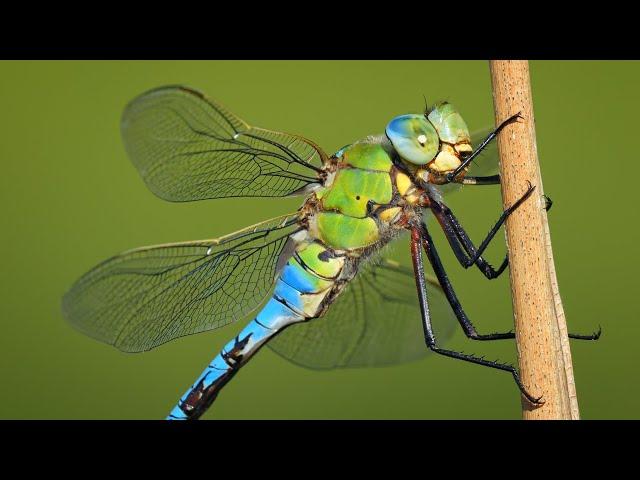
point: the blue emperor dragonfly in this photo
(321, 262)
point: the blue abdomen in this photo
(305, 281)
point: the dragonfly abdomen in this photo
(232, 356)
(306, 280)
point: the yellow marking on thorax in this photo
(389, 214)
(403, 182)
(413, 198)
(408, 190)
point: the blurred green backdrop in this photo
(70, 198)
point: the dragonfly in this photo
(325, 295)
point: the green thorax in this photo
(360, 181)
(368, 156)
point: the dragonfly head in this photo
(437, 140)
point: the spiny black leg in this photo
(430, 339)
(593, 336)
(443, 278)
(421, 285)
(450, 224)
(492, 364)
(576, 336)
(500, 221)
(475, 256)
(488, 271)
(469, 330)
(489, 180)
(457, 237)
(451, 176)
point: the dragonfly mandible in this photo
(331, 299)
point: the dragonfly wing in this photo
(376, 321)
(188, 147)
(484, 165)
(148, 296)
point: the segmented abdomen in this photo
(301, 288)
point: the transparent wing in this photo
(188, 147)
(376, 321)
(483, 165)
(148, 296)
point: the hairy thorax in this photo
(364, 201)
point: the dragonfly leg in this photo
(593, 336)
(456, 235)
(448, 221)
(452, 176)
(468, 328)
(495, 180)
(489, 180)
(417, 239)
(485, 243)
(459, 240)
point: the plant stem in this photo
(541, 333)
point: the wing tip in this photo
(157, 90)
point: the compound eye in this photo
(414, 138)
(449, 124)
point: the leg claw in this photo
(593, 336)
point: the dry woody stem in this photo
(544, 355)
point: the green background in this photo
(70, 198)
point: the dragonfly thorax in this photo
(365, 200)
